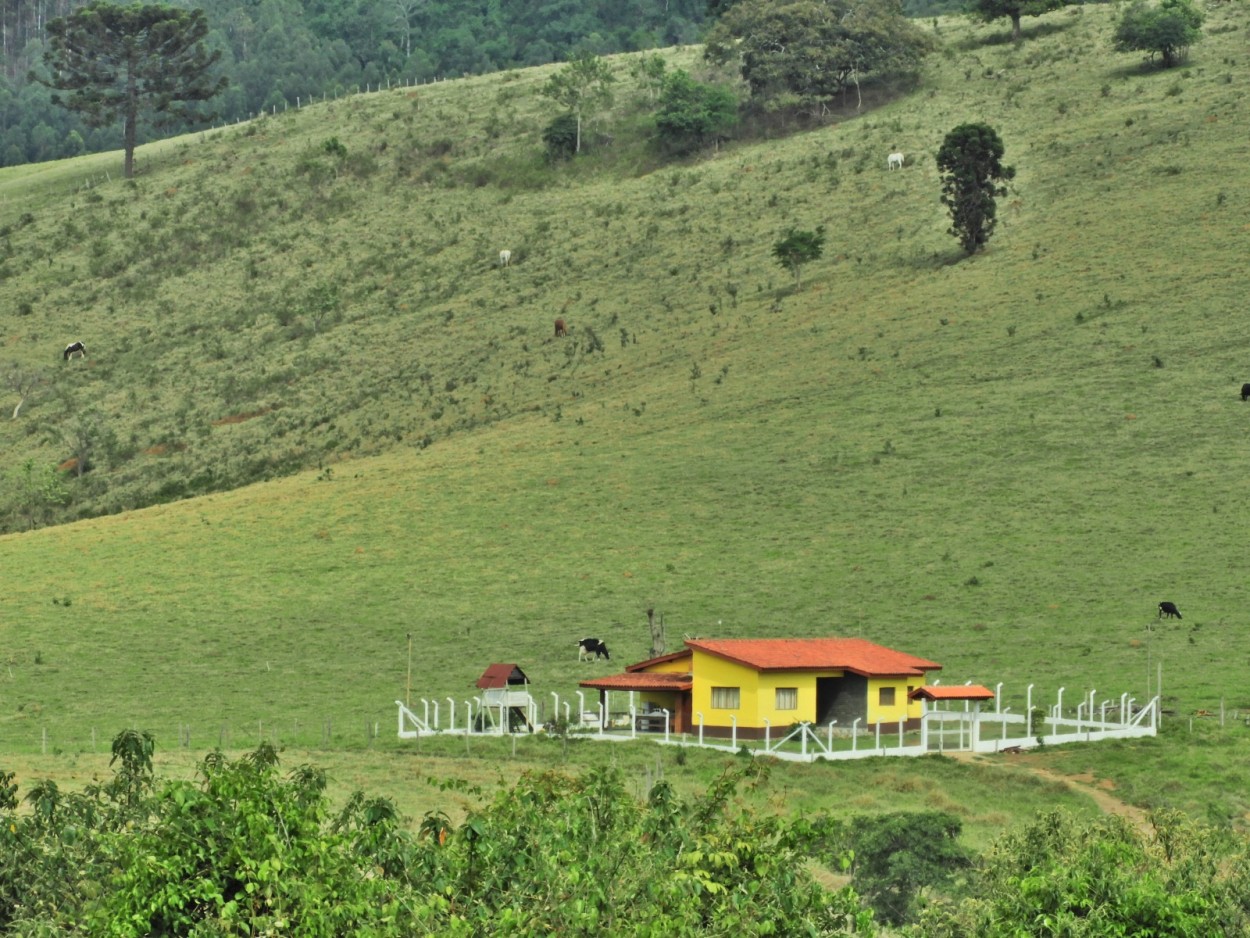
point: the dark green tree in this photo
(806, 52)
(990, 10)
(973, 174)
(693, 114)
(1063, 875)
(583, 87)
(560, 138)
(1168, 28)
(114, 62)
(898, 855)
(797, 248)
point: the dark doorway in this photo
(842, 699)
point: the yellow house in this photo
(747, 684)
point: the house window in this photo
(885, 697)
(724, 698)
(787, 698)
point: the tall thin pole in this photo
(408, 687)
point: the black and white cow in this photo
(592, 648)
(1169, 610)
(75, 348)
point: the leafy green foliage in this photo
(560, 138)
(1168, 28)
(245, 851)
(692, 114)
(583, 88)
(115, 62)
(1059, 876)
(990, 10)
(970, 161)
(796, 248)
(807, 52)
(899, 854)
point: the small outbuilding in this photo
(505, 703)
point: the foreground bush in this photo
(246, 850)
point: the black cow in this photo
(592, 648)
(75, 348)
(1169, 610)
(1245, 392)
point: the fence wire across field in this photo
(313, 733)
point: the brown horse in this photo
(561, 329)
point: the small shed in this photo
(505, 703)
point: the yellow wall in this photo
(757, 693)
(902, 709)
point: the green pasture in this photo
(1002, 463)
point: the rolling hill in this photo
(360, 428)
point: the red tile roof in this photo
(856, 655)
(501, 675)
(663, 659)
(640, 681)
(953, 692)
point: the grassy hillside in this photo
(1001, 463)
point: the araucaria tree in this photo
(582, 87)
(796, 248)
(990, 10)
(1168, 28)
(116, 62)
(973, 174)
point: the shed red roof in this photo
(501, 675)
(640, 681)
(953, 692)
(857, 655)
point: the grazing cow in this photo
(75, 348)
(1245, 392)
(894, 161)
(1169, 610)
(561, 329)
(592, 648)
(505, 258)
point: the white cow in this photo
(895, 161)
(505, 258)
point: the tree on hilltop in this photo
(973, 174)
(1168, 29)
(806, 52)
(692, 114)
(118, 62)
(990, 10)
(582, 87)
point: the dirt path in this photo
(1102, 792)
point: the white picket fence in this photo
(946, 727)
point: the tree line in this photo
(275, 51)
(247, 849)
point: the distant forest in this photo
(277, 51)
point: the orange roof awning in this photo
(953, 692)
(641, 681)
